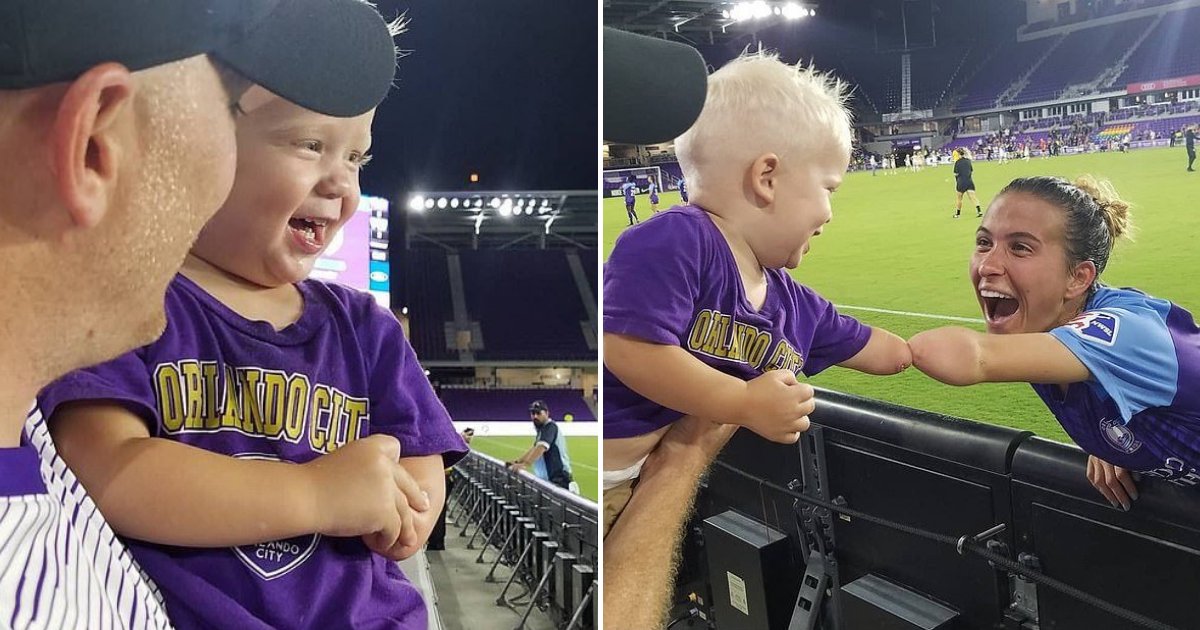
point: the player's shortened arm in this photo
(884, 354)
(673, 378)
(960, 356)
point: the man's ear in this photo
(86, 147)
(761, 178)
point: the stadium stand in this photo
(467, 404)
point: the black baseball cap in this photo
(537, 406)
(335, 57)
(653, 89)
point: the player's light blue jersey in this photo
(1140, 409)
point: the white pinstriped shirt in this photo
(61, 566)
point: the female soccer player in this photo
(1115, 366)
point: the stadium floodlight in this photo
(506, 208)
(404, 311)
(495, 203)
(529, 209)
(429, 203)
(520, 203)
(741, 12)
(793, 11)
(761, 9)
(812, 13)
(777, 11)
(442, 202)
(454, 203)
(416, 203)
(725, 14)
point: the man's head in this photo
(775, 138)
(117, 144)
(539, 412)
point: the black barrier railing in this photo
(545, 537)
(887, 517)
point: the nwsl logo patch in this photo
(1096, 326)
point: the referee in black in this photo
(1189, 142)
(963, 182)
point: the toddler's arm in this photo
(885, 353)
(774, 405)
(170, 493)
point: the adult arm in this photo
(641, 551)
(960, 356)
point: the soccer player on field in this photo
(1116, 367)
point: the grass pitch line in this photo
(952, 318)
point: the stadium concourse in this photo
(498, 297)
(870, 507)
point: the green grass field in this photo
(893, 245)
(582, 450)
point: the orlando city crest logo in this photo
(1096, 326)
(277, 558)
(1119, 436)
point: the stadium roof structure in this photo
(700, 21)
(458, 220)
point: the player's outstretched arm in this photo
(884, 354)
(170, 493)
(774, 405)
(960, 356)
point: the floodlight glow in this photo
(441, 203)
(495, 203)
(725, 14)
(760, 9)
(777, 11)
(506, 208)
(417, 203)
(792, 11)
(454, 203)
(429, 203)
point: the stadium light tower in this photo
(416, 203)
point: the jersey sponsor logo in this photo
(1119, 436)
(1096, 326)
(276, 558)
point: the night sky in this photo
(504, 88)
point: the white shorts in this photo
(613, 478)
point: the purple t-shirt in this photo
(673, 280)
(220, 382)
